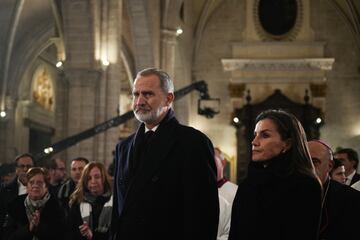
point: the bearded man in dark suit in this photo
(165, 180)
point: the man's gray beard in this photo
(149, 117)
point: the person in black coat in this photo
(349, 157)
(340, 214)
(281, 196)
(165, 184)
(16, 187)
(68, 187)
(337, 172)
(91, 205)
(35, 215)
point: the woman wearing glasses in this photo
(35, 215)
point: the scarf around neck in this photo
(32, 205)
(105, 216)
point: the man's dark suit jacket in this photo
(355, 178)
(341, 211)
(7, 194)
(173, 193)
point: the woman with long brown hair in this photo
(281, 196)
(91, 204)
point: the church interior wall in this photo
(127, 40)
(140, 37)
(183, 74)
(224, 26)
(343, 82)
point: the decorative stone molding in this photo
(318, 90)
(302, 64)
(168, 39)
(236, 90)
(35, 113)
(168, 35)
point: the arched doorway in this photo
(244, 121)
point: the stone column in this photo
(168, 45)
(8, 129)
(110, 85)
(82, 72)
(93, 37)
(83, 100)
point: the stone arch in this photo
(171, 16)
(349, 15)
(24, 56)
(210, 7)
(141, 32)
(128, 62)
(12, 29)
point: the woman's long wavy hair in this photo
(78, 195)
(291, 129)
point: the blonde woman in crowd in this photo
(91, 204)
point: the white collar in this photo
(21, 187)
(349, 178)
(153, 129)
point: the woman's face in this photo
(36, 187)
(267, 142)
(95, 184)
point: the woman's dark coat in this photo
(75, 221)
(272, 203)
(51, 226)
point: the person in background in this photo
(337, 173)
(91, 205)
(356, 185)
(227, 191)
(281, 196)
(37, 214)
(165, 179)
(17, 186)
(57, 173)
(349, 157)
(7, 173)
(226, 188)
(68, 187)
(339, 213)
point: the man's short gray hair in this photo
(166, 83)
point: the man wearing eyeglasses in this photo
(16, 187)
(57, 173)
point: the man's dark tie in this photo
(141, 151)
(147, 137)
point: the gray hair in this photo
(166, 83)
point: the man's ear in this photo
(353, 163)
(170, 98)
